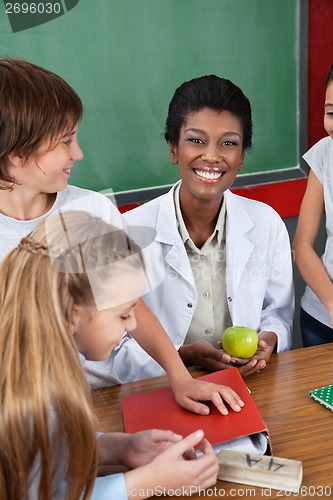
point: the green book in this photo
(324, 396)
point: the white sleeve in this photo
(112, 487)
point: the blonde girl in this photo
(62, 288)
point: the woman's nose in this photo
(211, 155)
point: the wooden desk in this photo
(300, 428)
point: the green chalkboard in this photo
(125, 58)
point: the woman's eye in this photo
(195, 140)
(228, 143)
(67, 142)
(125, 318)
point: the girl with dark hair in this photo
(227, 258)
(317, 301)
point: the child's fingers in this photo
(207, 465)
(229, 396)
(195, 406)
(199, 472)
(206, 447)
(190, 454)
(158, 435)
(188, 443)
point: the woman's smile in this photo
(210, 146)
(209, 174)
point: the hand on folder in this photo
(157, 409)
(194, 390)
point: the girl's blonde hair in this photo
(41, 374)
(36, 105)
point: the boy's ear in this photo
(16, 160)
(74, 318)
(173, 151)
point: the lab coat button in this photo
(189, 305)
(229, 299)
(206, 295)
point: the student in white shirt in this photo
(317, 272)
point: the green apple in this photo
(240, 341)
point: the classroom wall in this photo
(126, 58)
(71, 47)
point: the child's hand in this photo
(174, 470)
(133, 450)
(142, 447)
(192, 391)
(170, 470)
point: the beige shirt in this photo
(211, 316)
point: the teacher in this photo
(227, 259)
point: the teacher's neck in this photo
(200, 217)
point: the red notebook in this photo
(158, 409)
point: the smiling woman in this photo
(209, 153)
(214, 241)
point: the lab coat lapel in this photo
(168, 236)
(238, 247)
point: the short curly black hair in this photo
(213, 92)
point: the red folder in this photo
(158, 409)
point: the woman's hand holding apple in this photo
(267, 341)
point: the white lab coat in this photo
(259, 277)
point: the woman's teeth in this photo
(208, 175)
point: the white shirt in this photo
(259, 276)
(211, 316)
